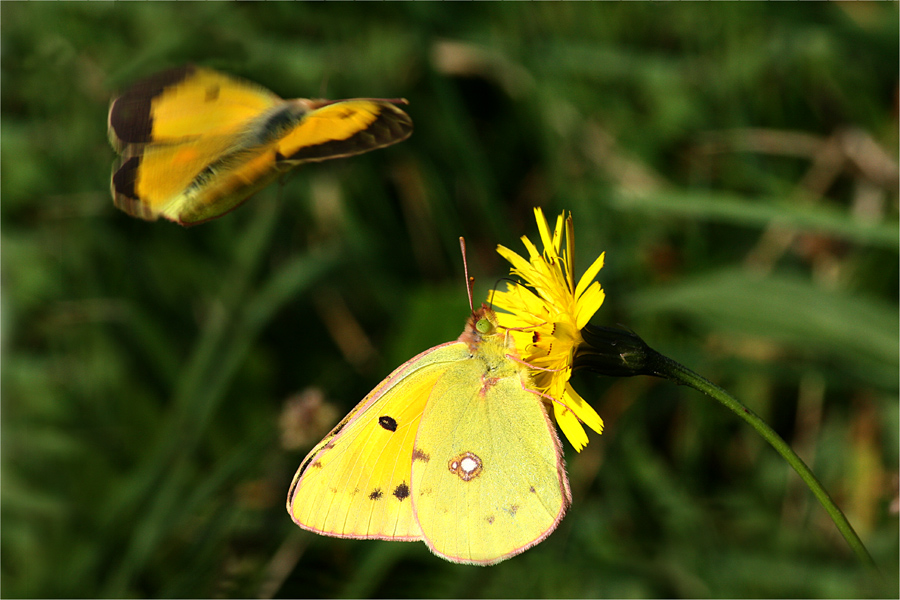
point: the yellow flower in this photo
(546, 318)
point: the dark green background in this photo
(737, 163)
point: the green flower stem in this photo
(667, 368)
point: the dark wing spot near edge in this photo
(376, 494)
(129, 115)
(124, 179)
(388, 423)
(124, 193)
(401, 492)
(532, 490)
(420, 455)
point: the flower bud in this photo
(616, 353)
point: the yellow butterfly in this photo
(196, 143)
(453, 448)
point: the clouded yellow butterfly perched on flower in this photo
(454, 448)
(196, 143)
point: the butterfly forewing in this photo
(357, 482)
(489, 482)
(184, 103)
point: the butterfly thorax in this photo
(273, 124)
(269, 127)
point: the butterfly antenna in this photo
(462, 247)
(497, 284)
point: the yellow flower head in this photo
(546, 318)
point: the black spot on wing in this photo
(376, 494)
(388, 423)
(401, 492)
(212, 93)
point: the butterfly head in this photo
(482, 324)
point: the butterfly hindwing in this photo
(493, 484)
(160, 179)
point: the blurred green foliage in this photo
(736, 162)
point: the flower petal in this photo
(584, 411)
(589, 275)
(588, 304)
(571, 426)
(544, 317)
